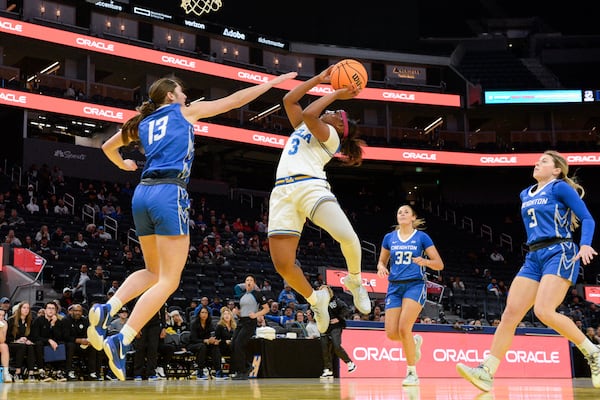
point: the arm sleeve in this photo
(571, 198)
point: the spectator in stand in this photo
(42, 233)
(312, 332)
(284, 319)
(75, 329)
(46, 330)
(4, 350)
(20, 345)
(274, 309)
(80, 243)
(266, 286)
(102, 234)
(331, 341)
(56, 238)
(224, 331)
(30, 244)
(78, 283)
(287, 296)
(590, 332)
(32, 207)
(496, 256)
(61, 208)
(376, 314)
(15, 220)
(5, 305)
(117, 323)
(203, 343)
(66, 300)
(493, 287)
(458, 286)
(45, 209)
(12, 240)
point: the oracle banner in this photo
(529, 356)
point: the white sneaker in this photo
(327, 373)
(160, 373)
(418, 343)
(594, 362)
(479, 376)
(411, 379)
(321, 309)
(351, 367)
(362, 302)
(7, 377)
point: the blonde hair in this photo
(561, 162)
(224, 310)
(418, 223)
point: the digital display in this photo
(532, 96)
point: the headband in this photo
(345, 121)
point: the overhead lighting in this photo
(266, 112)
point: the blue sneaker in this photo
(116, 351)
(98, 317)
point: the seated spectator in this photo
(458, 286)
(19, 341)
(61, 208)
(15, 219)
(80, 242)
(203, 343)
(176, 324)
(75, 328)
(66, 300)
(312, 332)
(282, 320)
(102, 234)
(4, 350)
(32, 207)
(224, 331)
(493, 287)
(274, 309)
(12, 240)
(496, 256)
(117, 323)
(46, 330)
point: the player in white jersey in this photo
(301, 191)
(551, 209)
(405, 254)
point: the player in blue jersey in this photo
(411, 251)
(552, 209)
(164, 128)
(301, 191)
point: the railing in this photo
(112, 225)
(506, 239)
(486, 232)
(132, 237)
(70, 202)
(467, 224)
(88, 213)
(370, 248)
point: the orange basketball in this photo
(349, 73)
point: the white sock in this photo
(587, 347)
(312, 299)
(129, 334)
(411, 369)
(115, 305)
(492, 363)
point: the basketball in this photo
(349, 73)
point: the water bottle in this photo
(1, 374)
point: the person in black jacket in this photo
(146, 345)
(331, 341)
(203, 342)
(75, 335)
(47, 330)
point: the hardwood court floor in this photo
(303, 389)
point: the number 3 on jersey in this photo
(157, 129)
(531, 213)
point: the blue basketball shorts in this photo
(556, 259)
(416, 290)
(161, 209)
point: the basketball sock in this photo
(587, 347)
(115, 305)
(411, 369)
(492, 363)
(312, 299)
(129, 334)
